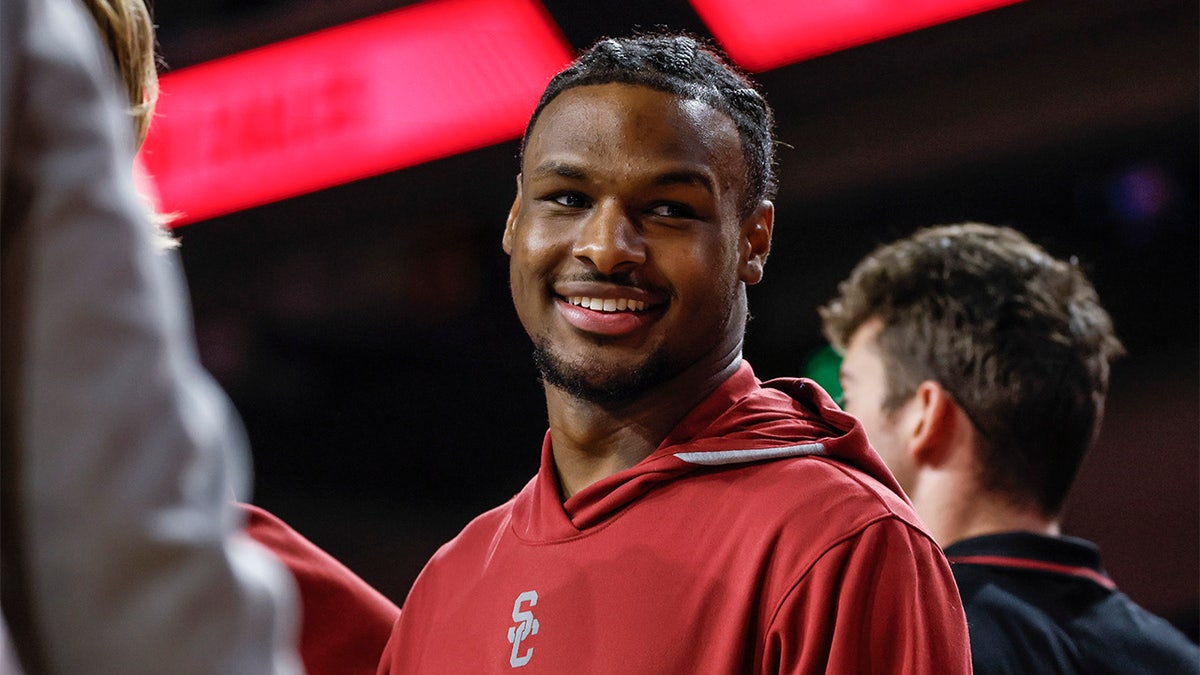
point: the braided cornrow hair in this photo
(683, 66)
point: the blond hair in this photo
(128, 32)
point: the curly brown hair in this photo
(1017, 337)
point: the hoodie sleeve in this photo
(345, 622)
(896, 609)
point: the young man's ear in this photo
(756, 242)
(940, 430)
(506, 242)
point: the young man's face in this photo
(627, 251)
(864, 380)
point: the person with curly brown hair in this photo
(979, 365)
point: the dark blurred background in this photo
(366, 335)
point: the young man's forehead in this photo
(594, 94)
(592, 119)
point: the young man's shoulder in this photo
(834, 487)
(785, 493)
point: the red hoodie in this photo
(762, 536)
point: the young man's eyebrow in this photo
(686, 177)
(557, 168)
(562, 169)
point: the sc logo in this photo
(526, 626)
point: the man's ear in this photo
(939, 429)
(506, 242)
(755, 242)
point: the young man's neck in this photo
(991, 517)
(954, 515)
(982, 522)
(593, 441)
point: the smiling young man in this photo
(686, 517)
(979, 365)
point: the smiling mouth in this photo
(607, 304)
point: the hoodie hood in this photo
(742, 421)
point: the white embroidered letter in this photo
(526, 626)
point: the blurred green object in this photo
(822, 366)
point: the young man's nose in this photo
(610, 240)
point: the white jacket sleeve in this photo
(122, 549)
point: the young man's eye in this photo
(572, 200)
(673, 210)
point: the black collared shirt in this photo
(1038, 604)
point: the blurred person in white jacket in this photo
(119, 455)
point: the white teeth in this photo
(607, 305)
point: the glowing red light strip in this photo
(767, 34)
(419, 83)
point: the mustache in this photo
(633, 280)
(618, 279)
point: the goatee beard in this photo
(599, 384)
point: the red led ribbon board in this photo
(767, 34)
(416, 84)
